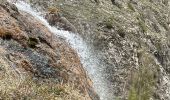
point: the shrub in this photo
(5, 34)
(53, 10)
(130, 6)
(56, 90)
(142, 85)
(109, 25)
(32, 42)
(31, 1)
(142, 26)
(109, 22)
(121, 32)
(145, 78)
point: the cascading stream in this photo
(90, 62)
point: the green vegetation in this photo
(121, 32)
(109, 22)
(142, 86)
(141, 23)
(109, 25)
(56, 90)
(143, 26)
(32, 42)
(31, 1)
(130, 6)
(144, 80)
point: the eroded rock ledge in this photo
(28, 50)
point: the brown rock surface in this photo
(55, 19)
(27, 49)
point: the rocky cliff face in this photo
(35, 64)
(132, 39)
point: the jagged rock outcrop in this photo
(32, 56)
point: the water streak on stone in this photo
(90, 62)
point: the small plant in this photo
(144, 79)
(31, 1)
(164, 24)
(97, 1)
(32, 42)
(143, 26)
(133, 94)
(130, 6)
(143, 82)
(141, 22)
(7, 36)
(53, 10)
(109, 25)
(57, 90)
(121, 32)
(4, 34)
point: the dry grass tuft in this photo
(53, 10)
(45, 91)
(5, 34)
(17, 84)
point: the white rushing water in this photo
(90, 62)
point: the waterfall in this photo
(90, 61)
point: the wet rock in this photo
(31, 50)
(55, 19)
